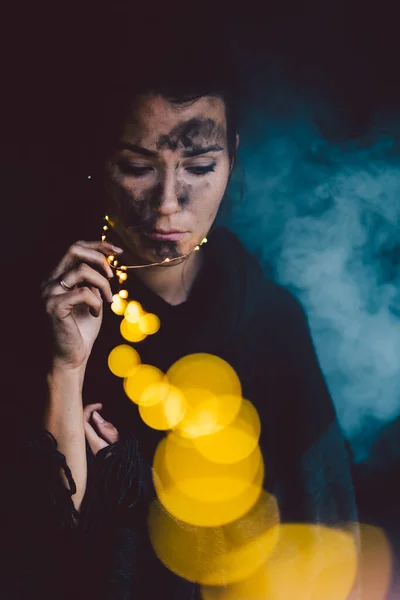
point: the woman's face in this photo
(166, 179)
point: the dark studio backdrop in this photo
(321, 161)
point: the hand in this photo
(76, 315)
(107, 433)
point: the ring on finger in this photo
(65, 286)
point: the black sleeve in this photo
(317, 486)
(52, 550)
(116, 483)
(114, 526)
(38, 520)
(314, 476)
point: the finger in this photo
(104, 247)
(83, 273)
(89, 408)
(106, 429)
(94, 253)
(95, 442)
(60, 306)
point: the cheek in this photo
(125, 196)
(122, 189)
(204, 196)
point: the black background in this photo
(347, 54)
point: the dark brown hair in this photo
(178, 64)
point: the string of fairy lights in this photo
(121, 270)
(137, 324)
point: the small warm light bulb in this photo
(133, 311)
(115, 263)
(149, 323)
(118, 305)
(123, 277)
(105, 227)
(166, 260)
(204, 241)
(106, 218)
(123, 294)
(197, 248)
(110, 258)
(123, 268)
(89, 177)
(103, 237)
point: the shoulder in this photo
(261, 296)
(275, 343)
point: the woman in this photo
(168, 150)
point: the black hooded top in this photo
(260, 329)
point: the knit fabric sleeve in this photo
(39, 519)
(52, 548)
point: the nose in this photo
(169, 202)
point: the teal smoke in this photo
(323, 218)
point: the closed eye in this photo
(134, 170)
(201, 170)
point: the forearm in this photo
(64, 419)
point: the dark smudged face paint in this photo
(137, 216)
(183, 194)
(162, 249)
(186, 133)
(137, 197)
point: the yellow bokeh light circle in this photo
(234, 442)
(206, 372)
(310, 562)
(227, 407)
(206, 514)
(118, 304)
(204, 480)
(227, 500)
(149, 323)
(201, 415)
(162, 406)
(218, 555)
(131, 331)
(142, 377)
(133, 311)
(207, 413)
(123, 360)
(154, 393)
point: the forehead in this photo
(157, 124)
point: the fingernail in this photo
(117, 249)
(98, 417)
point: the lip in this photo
(167, 235)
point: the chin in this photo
(154, 250)
(147, 249)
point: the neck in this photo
(173, 283)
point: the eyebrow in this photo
(137, 149)
(197, 150)
(193, 151)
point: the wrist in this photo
(62, 375)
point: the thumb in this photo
(95, 442)
(105, 428)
